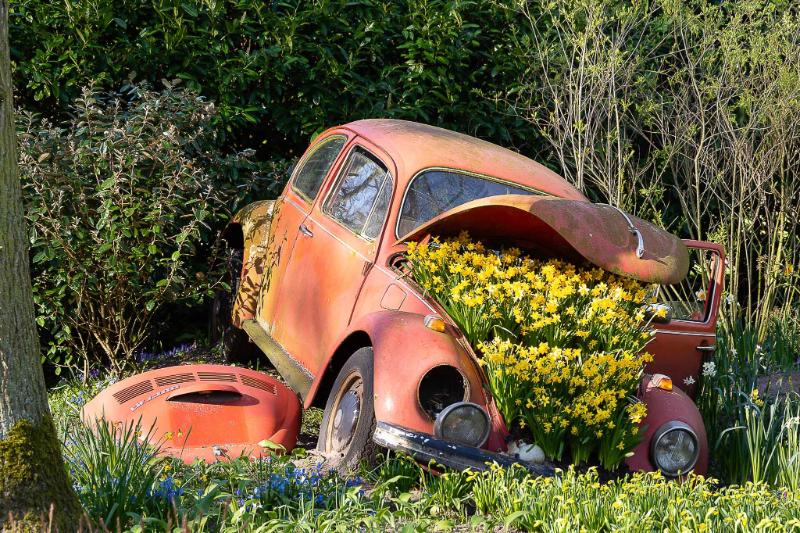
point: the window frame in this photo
(329, 195)
(302, 163)
(708, 310)
(397, 235)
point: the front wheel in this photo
(345, 435)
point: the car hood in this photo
(571, 229)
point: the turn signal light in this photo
(435, 323)
(661, 381)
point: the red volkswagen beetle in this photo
(319, 286)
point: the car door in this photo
(334, 251)
(289, 212)
(687, 337)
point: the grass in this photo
(127, 486)
(750, 410)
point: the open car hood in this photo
(570, 229)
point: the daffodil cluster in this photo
(562, 345)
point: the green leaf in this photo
(189, 9)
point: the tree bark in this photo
(32, 474)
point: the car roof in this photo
(414, 147)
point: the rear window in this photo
(433, 192)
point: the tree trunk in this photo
(32, 474)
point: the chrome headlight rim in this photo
(661, 432)
(437, 425)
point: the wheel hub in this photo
(345, 419)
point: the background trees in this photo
(683, 112)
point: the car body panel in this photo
(325, 250)
(664, 406)
(398, 369)
(290, 211)
(199, 411)
(571, 229)
(414, 147)
(681, 347)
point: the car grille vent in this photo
(128, 393)
(259, 384)
(216, 376)
(174, 379)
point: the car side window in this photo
(312, 171)
(361, 198)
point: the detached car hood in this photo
(571, 229)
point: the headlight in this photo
(441, 386)
(464, 423)
(674, 448)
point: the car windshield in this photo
(433, 192)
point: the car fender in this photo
(404, 350)
(249, 229)
(662, 407)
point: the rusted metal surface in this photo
(210, 412)
(679, 346)
(413, 147)
(315, 284)
(404, 351)
(662, 407)
(571, 229)
(253, 220)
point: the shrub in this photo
(279, 71)
(120, 199)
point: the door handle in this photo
(305, 231)
(707, 347)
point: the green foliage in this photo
(278, 71)
(751, 420)
(114, 470)
(292, 492)
(120, 200)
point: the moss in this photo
(33, 477)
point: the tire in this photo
(235, 343)
(350, 443)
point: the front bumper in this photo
(426, 448)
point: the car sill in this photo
(297, 377)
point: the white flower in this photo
(758, 348)
(729, 299)
(688, 381)
(701, 295)
(709, 369)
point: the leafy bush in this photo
(120, 199)
(279, 71)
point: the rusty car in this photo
(318, 284)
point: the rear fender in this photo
(662, 407)
(404, 350)
(249, 229)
